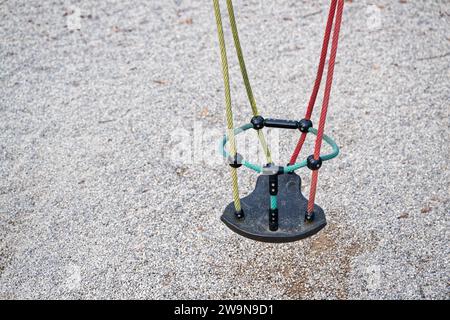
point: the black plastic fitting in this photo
(273, 219)
(280, 123)
(280, 170)
(239, 214)
(272, 169)
(314, 164)
(304, 125)
(236, 161)
(309, 216)
(257, 122)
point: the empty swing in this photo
(276, 211)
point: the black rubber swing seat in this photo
(292, 208)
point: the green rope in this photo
(334, 153)
(229, 112)
(273, 202)
(244, 73)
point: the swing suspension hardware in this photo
(290, 215)
(259, 122)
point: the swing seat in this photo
(276, 211)
(292, 207)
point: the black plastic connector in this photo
(271, 169)
(314, 164)
(309, 216)
(257, 122)
(280, 170)
(304, 125)
(280, 123)
(236, 161)
(273, 219)
(239, 214)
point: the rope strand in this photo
(325, 102)
(317, 82)
(228, 110)
(244, 73)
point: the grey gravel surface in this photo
(95, 97)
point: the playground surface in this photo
(97, 202)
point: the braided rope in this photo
(325, 102)
(273, 202)
(229, 112)
(234, 182)
(264, 146)
(323, 57)
(320, 69)
(244, 73)
(240, 56)
(287, 169)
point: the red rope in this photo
(312, 99)
(298, 147)
(326, 100)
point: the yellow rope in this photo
(264, 146)
(248, 87)
(234, 181)
(229, 112)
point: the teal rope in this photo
(252, 166)
(273, 202)
(334, 153)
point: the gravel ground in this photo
(100, 199)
